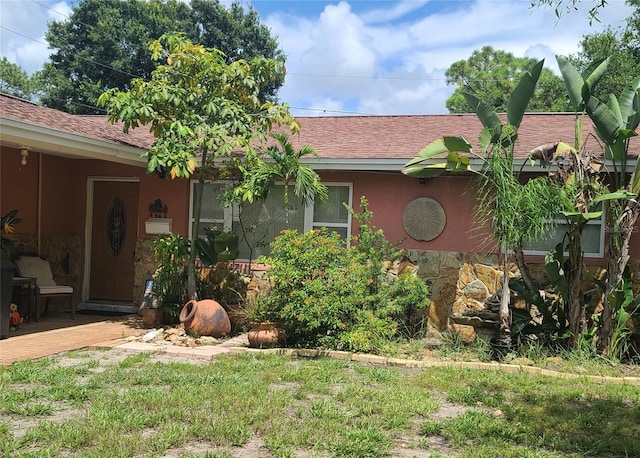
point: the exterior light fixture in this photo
(24, 153)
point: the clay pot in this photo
(205, 318)
(266, 335)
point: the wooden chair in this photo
(39, 268)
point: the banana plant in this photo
(499, 197)
(615, 122)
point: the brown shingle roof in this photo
(96, 127)
(341, 137)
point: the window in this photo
(259, 223)
(592, 239)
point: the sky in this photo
(373, 57)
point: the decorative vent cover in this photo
(424, 219)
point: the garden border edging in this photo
(412, 363)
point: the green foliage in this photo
(219, 246)
(562, 7)
(225, 282)
(105, 43)
(8, 224)
(15, 81)
(338, 297)
(625, 308)
(281, 163)
(491, 75)
(200, 109)
(170, 280)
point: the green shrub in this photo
(329, 295)
(170, 280)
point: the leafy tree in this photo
(15, 81)
(616, 121)
(561, 7)
(200, 109)
(492, 75)
(105, 43)
(621, 50)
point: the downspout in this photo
(39, 220)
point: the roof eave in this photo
(67, 144)
(398, 164)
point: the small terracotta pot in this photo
(206, 318)
(266, 335)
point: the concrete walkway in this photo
(58, 333)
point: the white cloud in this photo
(387, 67)
(370, 57)
(24, 24)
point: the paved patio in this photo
(57, 332)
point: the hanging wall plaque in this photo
(424, 219)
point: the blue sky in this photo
(363, 57)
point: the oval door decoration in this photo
(424, 219)
(116, 226)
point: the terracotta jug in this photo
(266, 335)
(206, 318)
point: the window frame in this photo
(602, 222)
(231, 213)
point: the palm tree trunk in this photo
(523, 267)
(504, 332)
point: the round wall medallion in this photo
(424, 219)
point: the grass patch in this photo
(139, 407)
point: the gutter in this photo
(52, 141)
(397, 165)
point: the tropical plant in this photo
(516, 213)
(217, 246)
(8, 224)
(170, 279)
(615, 122)
(200, 109)
(281, 162)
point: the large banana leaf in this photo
(440, 146)
(455, 162)
(617, 195)
(486, 114)
(605, 120)
(521, 95)
(426, 171)
(580, 216)
(630, 105)
(580, 86)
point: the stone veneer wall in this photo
(145, 266)
(460, 283)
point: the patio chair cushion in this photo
(36, 267)
(56, 290)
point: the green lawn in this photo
(106, 404)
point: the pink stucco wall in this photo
(389, 193)
(64, 192)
